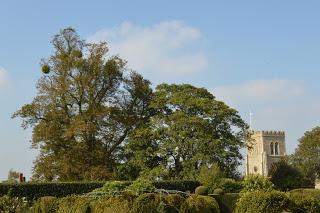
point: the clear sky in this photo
(260, 56)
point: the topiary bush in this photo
(201, 190)
(111, 204)
(230, 185)
(200, 204)
(147, 203)
(256, 183)
(303, 203)
(262, 202)
(218, 191)
(180, 185)
(315, 193)
(46, 204)
(173, 203)
(75, 204)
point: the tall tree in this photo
(85, 107)
(307, 155)
(190, 128)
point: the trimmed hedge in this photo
(200, 204)
(308, 192)
(36, 190)
(227, 202)
(262, 202)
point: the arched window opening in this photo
(276, 148)
(271, 148)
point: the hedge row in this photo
(145, 203)
(59, 189)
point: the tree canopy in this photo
(190, 128)
(307, 154)
(86, 105)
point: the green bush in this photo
(115, 186)
(33, 191)
(262, 202)
(304, 203)
(13, 205)
(46, 204)
(256, 183)
(230, 185)
(308, 192)
(200, 204)
(147, 203)
(218, 191)
(211, 177)
(111, 204)
(180, 185)
(72, 204)
(201, 190)
(173, 203)
(141, 186)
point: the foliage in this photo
(46, 204)
(201, 204)
(210, 176)
(140, 186)
(201, 190)
(114, 186)
(306, 156)
(262, 202)
(256, 183)
(85, 107)
(13, 205)
(180, 185)
(111, 204)
(284, 176)
(303, 203)
(308, 192)
(147, 203)
(218, 191)
(189, 128)
(173, 203)
(230, 185)
(227, 202)
(36, 190)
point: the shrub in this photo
(46, 204)
(180, 185)
(256, 183)
(201, 190)
(33, 191)
(173, 203)
(74, 204)
(141, 186)
(210, 177)
(262, 202)
(114, 186)
(285, 177)
(304, 203)
(13, 205)
(111, 204)
(218, 191)
(308, 192)
(230, 185)
(201, 204)
(147, 203)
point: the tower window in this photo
(276, 148)
(271, 148)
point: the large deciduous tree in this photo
(307, 155)
(190, 128)
(86, 105)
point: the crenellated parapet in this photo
(268, 132)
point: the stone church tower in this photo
(268, 147)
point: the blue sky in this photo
(261, 56)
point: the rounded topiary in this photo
(201, 190)
(147, 203)
(45, 68)
(200, 204)
(261, 202)
(218, 191)
(173, 203)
